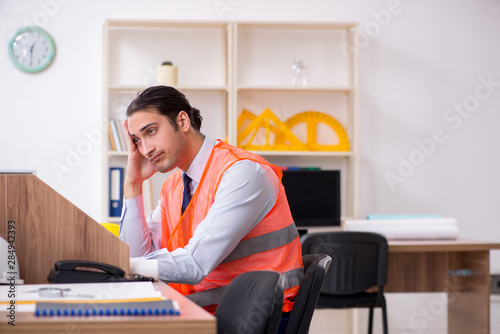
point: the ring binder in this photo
(115, 191)
(143, 308)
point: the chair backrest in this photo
(251, 303)
(359, 260)
(315, 268)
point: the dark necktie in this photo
(186, 197)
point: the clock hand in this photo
(31, 52)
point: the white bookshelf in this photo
(225, 67)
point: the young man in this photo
(222, 213)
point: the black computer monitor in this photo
(313, 196)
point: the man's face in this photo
(157, 140)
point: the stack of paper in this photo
(407, 228)
(25, 296)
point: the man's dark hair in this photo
(166, 101)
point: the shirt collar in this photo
(195, 170)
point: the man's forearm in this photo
(132, 190)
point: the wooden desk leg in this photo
(469, 296)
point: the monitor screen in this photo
(313, 196)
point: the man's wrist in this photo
(132, 190)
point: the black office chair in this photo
(359, 262)
(252, 303)
(315, 269)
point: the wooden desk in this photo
(423, 266)
(193, 319)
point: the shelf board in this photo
(118, 153)
(275, 153)
(305, 153)
(320, 229)
(341, 89)
(136, 88)
(296, 25)
(162, 24)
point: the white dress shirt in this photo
(246, 194)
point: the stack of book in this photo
(117, 137)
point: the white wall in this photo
(416, 64)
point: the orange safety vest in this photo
(273, 244)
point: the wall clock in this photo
(31, 49)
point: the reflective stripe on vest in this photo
(263, 243)
(213, 296)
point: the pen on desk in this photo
(58, 292)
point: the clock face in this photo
(31, 49)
